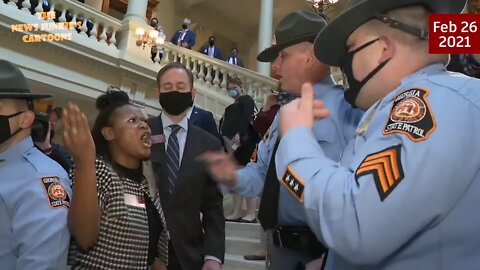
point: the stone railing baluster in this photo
(216, 80)
(93, 32)
(103, 35)
(113, 40)
(26, 5)
(84, 28)
(201, 74)
(39, 7)
(208, 78)
(12, 2)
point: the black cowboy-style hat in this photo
(296, 27)
(13, 83)
(330, 45)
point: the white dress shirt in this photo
(181, 133)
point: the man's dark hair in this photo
(236, 81)
(173, 65)
(234, 49)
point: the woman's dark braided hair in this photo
(107, 103)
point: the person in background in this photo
(264, 118)
(34, 190)
(184, 37)
(192, 201)
(233, 59)
(116, 218)
(236, 125)
(405, 192)
(210, 49)
(53, 117)
(41, 131)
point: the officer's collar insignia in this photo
(159, 138)
(385, 167)
(293, 183)
(411, 115)
(254, 156)
(56, 194)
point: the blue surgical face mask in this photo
(233, 92)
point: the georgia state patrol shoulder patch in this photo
(293, 183)
(386, 169)
(56, 194)
(411, 115)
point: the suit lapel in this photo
(159, 159)
(194, 116)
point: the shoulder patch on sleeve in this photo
(386, 169)
(56, 194)
(411, 115)
(293, 183)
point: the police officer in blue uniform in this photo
(34, 189)
(405, 194)
(291, 243)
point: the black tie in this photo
(173, 158)
(268, 210)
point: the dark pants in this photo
(173, 263)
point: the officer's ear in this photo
(27, 119)
(108, 134)
(388, 47)
(310, 55)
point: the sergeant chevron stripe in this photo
(386, 169)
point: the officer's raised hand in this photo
(221, 166)
(77, 136)
(302, 111)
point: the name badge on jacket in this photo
(159, 138)
(134, 200)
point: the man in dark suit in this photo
(210, 49)
(204, 120)
(185, 187)
(184, 37)
(234, 59)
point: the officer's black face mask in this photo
(352, 85)
(175, 102)
(5, 133)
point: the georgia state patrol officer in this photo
(406, 192)
(291, 243)
(34, 189)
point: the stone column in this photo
(265, 33)
(133, 19)
(136, 10)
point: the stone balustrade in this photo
(214, 73)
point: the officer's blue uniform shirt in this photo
(34, 201)
(332, 133)
(406, 193)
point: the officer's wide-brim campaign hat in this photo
(296, 27)
(13, 83)
(330, 45)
